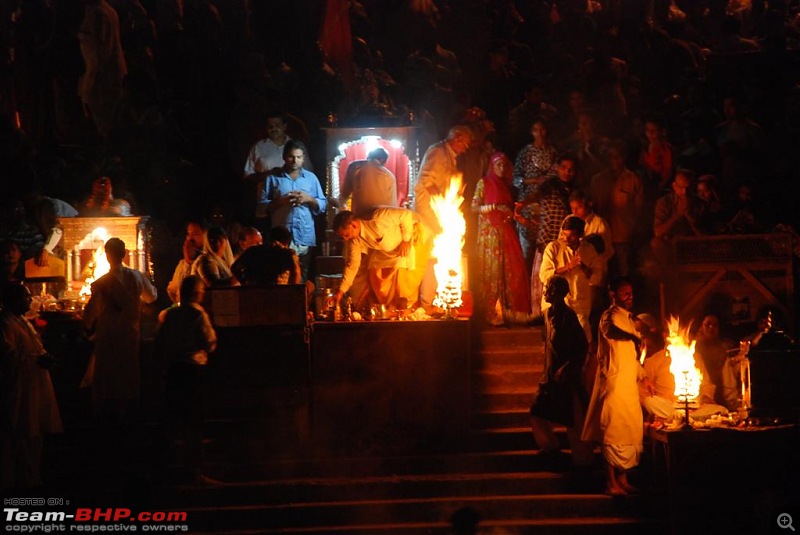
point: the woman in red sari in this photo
(501, 268)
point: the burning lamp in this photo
(682, 366)
(448, 246)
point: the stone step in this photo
(496, 338)
(412, 510)
(310, 490)
(501, 401)
(504, 439)
(246, 468)
(499, 419)
(507, 379)
(482, 360)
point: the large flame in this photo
(99, 264)
(682, 365)
(447, 245)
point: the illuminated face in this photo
(294, 160)
(349, 231)
(251, 240)
(681, 185)
(276, 130)
(195, 233)
(624, 296)
(572, 238)
(566, 171)
(705, 192)
(709, 329)
(500, 167)
(538, 130)
(12, 254)
(579, 208)
(460, 143)
(652, 132)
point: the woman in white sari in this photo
(214, 264)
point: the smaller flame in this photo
(448, 245)
(682, 365)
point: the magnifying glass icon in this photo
(785, 521)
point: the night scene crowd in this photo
(589, 134)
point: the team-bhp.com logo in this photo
(95, 520)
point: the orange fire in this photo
(448, 245)
(99, 265)
(682, 365)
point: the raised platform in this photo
(390, 386)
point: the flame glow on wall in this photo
(447, 245)
(682, 365)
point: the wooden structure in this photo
(733, 275)
(79, 243)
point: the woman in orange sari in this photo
(501, 269)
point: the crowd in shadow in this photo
(694, 99)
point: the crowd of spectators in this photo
(169, 97)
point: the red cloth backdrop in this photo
(397, 164)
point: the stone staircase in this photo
(272, 482)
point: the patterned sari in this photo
(501, 269)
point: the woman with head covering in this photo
(501, 268)
(214, 264)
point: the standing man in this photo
(438, 166)
(293, 197)
(553, 200)
(561, 398)
(580, 265)
(263, 157)
(614, 418)
(113, 315)
(618, 196)
(369, 183)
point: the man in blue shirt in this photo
(292, 198)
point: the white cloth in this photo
(370, 184)
(581, 297)
(594, 224)
(33, 408)
(182, 270)
(380, 237)
(614, 417)
(114, 312)
(263, 157)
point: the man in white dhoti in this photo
(614, 417)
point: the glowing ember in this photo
(682, 365)
(448, 244)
